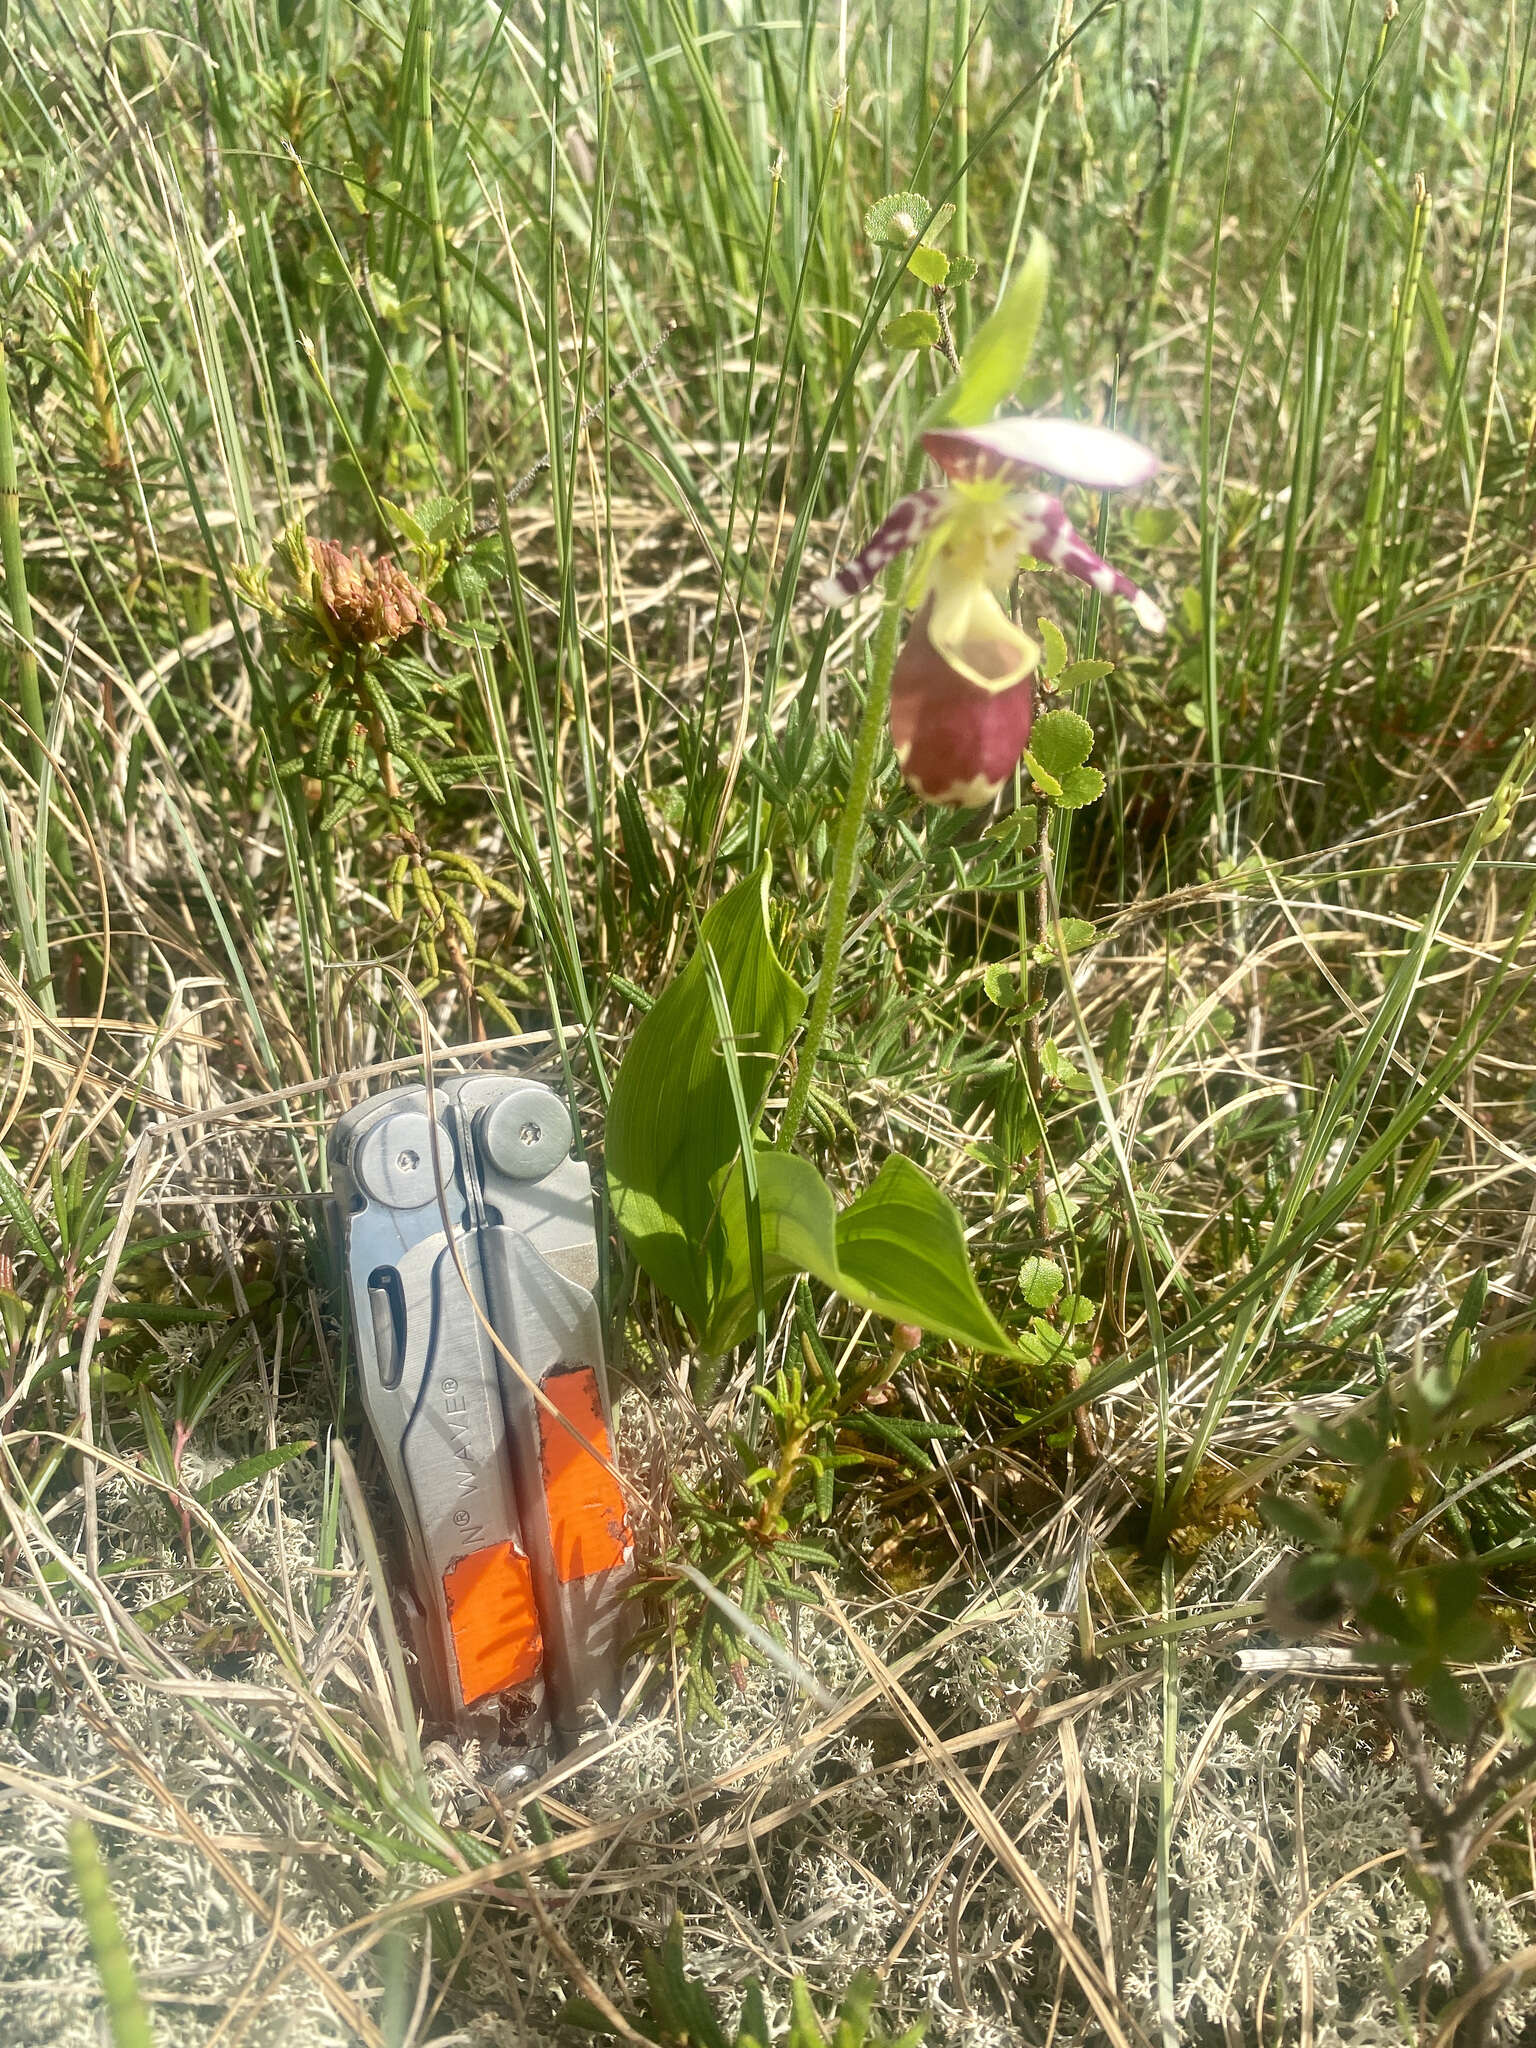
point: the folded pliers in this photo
(470, 1262)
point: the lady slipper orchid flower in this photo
(962, 694)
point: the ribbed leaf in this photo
(672, 1125)
(898, 1250)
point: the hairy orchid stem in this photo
(845, 860)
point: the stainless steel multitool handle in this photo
(471, 1262)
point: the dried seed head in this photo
(1390, 12)
(1420, 189)
(366, 604)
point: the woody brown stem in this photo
(1453, 1833)
(387, 775)
(791, 1456)
(947, 347)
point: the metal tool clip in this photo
(516, 1527)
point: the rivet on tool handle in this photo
(528, 1133)
(393, 1160)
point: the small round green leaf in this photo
(1040, 1281)
(931, 266)
(1079, 787)
(1055, 1064)
(1154, 525)
(1076, 933)
(1015, 832)
(1055, 643)
(962, 269)
(1003, 985)
(1081, 672)
(894, 220)
(1060, 741)
(1044, 780)
(443, 518)
(916, 329)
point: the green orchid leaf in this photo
(798, 1221)
(898, 1251)
(1060, 741)
(672, 1124)
(915, 329)
(928, 266)
(901, 1250)
(1000, 348)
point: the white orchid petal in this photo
(1097, 456)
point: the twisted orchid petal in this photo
(956, 743)
(908, 520)
(1045, 530)
(1010, 449)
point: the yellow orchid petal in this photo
(972, 632)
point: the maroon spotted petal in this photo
(957, 743)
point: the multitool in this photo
(471, 1271)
